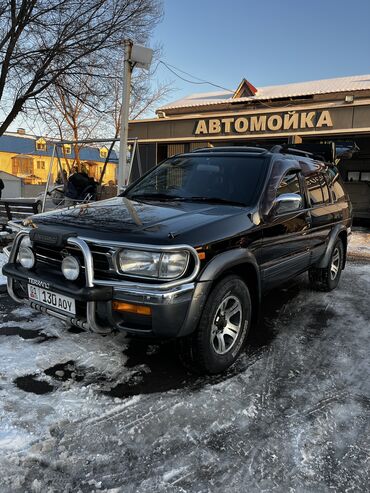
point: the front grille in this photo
(51, 255)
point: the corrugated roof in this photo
(324, 86)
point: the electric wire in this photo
(202, 81)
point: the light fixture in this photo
(349, 98)
(70, 268)
(26, 257)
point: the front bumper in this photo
(175, 310)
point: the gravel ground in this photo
(81, 412)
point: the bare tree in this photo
(52, 42)
(92, 109)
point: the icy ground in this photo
(2, 262)
(359, 246)
(82, 412)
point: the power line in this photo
(198, 81)
(202, 81)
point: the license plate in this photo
(54, 300)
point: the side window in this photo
(289, 184)
(317, 188)
(335, 184)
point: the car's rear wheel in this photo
(222, 329)
(328, 278)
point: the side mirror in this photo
(287, 202)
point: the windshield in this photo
(230, 179)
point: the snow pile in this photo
(359, 245)
(3, 260)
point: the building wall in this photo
(17, 164)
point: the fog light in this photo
(70, 268)
(26, 257)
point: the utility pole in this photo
(140, 57)
(123, 166)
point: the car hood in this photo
(128, 220)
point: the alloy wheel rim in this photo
(335, 264)
(226, 324)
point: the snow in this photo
(123, 416)
(3, 260)
(359, 245)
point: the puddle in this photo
(319, 323)
(163, 370)
(65, 371)
(75, 330)
(26, 334)
(28, 383)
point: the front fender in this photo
(215, 268)
(226, 261)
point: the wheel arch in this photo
(338, 232)
(239, 262)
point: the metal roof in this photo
(296, 89)
(26, 145)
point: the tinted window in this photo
(317, 187)
(227, 178)
(289, 184)
(335, 183)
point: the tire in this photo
(222, 329)
(328, 278)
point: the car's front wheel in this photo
(222, 329)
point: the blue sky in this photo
(266, 41)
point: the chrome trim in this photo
(154, 296)
(7, 250)
(89, 276)
(164, 293)
(121, 272)
(13, 255)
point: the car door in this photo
(322, 214)
(285, 249)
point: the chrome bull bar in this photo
(90, 321)
(153, 293)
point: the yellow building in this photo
(28, 157)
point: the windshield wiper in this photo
(213, 200)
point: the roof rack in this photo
(322, 152)
(256, 150)
(284, 149)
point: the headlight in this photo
(173, 264)
(169, 265)
(70, 268)
(26, 257)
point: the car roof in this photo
(294, 159)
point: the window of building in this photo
(40, 164)
(353, 176)
(67, 149)
(103, 152)
(317, 189)
(358, 176)
(22, 165)
(41, 144)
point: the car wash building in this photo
(308, 112)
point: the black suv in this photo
(187, 250)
